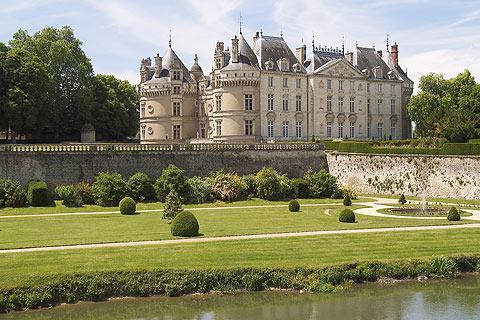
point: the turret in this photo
(235, 50)
(394, 53)
(196, 71)
(301, 53)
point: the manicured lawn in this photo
(22, 232)
(426, 215)
(430, 200)
(31, 268)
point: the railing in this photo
(158, 147)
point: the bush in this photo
(172, 206)
(444, 267)
(141, 187)
(294, 206)
(12, 194)
(127, 206)
(269, 186)
(347, 201)
(69, 195)
(85, 191)
(185, 225)
(453, 214)
(37, 194)
(402, 199)
(228, 186)
(199, 190)
(300, 188)
(251, 186)
(172, 178)
(347, 216)
(109, 189)
(321, 184)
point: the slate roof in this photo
(268, 48)
(398, 70)
(246, 54)
(368, 58)
(168, 63)
(321, 57)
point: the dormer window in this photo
(175, 75)
(378, 72)
(296, 67)
(269, 65)
(284, 65)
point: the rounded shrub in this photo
(347, 201)
(127, 206)
(294, 206)
(347, 216)
(141, 187)
(453, 214)
(185, 225)
(269, 184)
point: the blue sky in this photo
(433, 36)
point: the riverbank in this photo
(98, 286)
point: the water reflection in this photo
(440, 300)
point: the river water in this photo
(457, 299)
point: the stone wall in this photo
(434, 176)
(70, 167)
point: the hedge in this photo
(37, 194)
(97, 286)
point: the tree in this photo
(115, 108)
(3, 88)
(172, 206)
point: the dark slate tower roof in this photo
(368, 59)
(172, 61)
(268, 48)
(246, 54)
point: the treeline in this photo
(48, 90)
(447, 108)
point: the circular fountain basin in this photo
(421, 211)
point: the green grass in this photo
(35, 267)
(23, 232)
(430, 200)
(426, 215)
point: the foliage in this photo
(12, 194)
(269, 184)
(109, 189)
(321, 184)
(172, 206)
(443, 267)
(37, 194)
(185, 225)
(293, 206)
(69, 195)
(127, 206)
(300, 188)
(199, 190)
(453, 214)
(251, 186)
(85, 191)
(228, 186)
(172, 178)
(347, 216)
(347, 201)
(402, 199)
(141, 187)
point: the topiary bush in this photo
(172, 178)
(294, 206)
(12, 194)
(85, 191)
(141, 187)
(69, 195)
(269, 185)
(37, 194)
(347, 201)
(453, 214)
(347, 216)
(321, 184)
(109, 189)
(127, 206)
(300, 188)
(402, 199)
(172, 206)
(185, 225)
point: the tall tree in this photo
(3, 88)
(115, 115)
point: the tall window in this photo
(142, 111)
(329, 103)
(329, 129)
(176, 109)
(176, 75)
(285, 82)
(270, 129)
(379, 87)
(392, 106)
(352, 85)
(285, 103)
(270, 102)
(248, 102)
(340, 104)
(298, 129)
(369, 124)
(298, 103)
(392, 89)
(368, 87)
(340, 130)
(285, 129)
(203, 130)
(218, 103)
(270, 82)
(352, 129)
(298, 83)
(176, 132)
(329, 84)
(249, 127)
(379, 106)
(143, 131)
(380, 130)
(176, 89)
(340, 84)
(368, 106)
(219, 127)
(393, 130)
(352, 104)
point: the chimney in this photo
(301, 54)
(380, 53)
(158, 66)
(143, 71)
(235, 50)
(349, 57)
(394, 53)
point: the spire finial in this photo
(281, 33)
(261, 31)
(196, 59)
(343, 45)
(313, 41)
(240, 23)
(170, 38)
(388, 39)
(374, 46)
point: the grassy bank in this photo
(97, 286)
